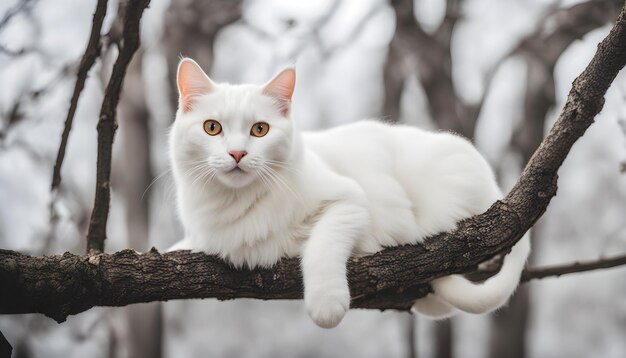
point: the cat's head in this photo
(232, 134)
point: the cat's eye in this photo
(212, 127)
(259, 129)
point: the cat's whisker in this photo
(285, 183)
(190, 165)
(272, 161)
(283, 165)
(197, 176)
(210, 177)
(263, 178)
(273, 180)
(279, 178)
(197, 168)
(270, 181)
(207, 177)
(152, 183)
(200, 174)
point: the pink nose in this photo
(237, 154)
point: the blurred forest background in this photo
(496, 71)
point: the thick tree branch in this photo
(107, 125)
(58, 286)
(89, 58)
(68, 284)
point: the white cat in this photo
(252, 189)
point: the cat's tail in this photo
(485, 297)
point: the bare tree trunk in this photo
(190, 30)
(508, 339)
(443, 339)
(394, 78)
(413, 51)
(510, 324)
(411, 336)
(133, 175)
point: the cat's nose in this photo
(237, 154)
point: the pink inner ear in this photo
(281, 88)
(192, 82)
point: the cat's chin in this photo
(236, 178)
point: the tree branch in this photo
(58, 286)
(107, 125)
(68, 284)
(16, 9)
(412, 50)
(536, 273)
(491, 267)
(89, 58)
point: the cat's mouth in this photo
(236, 170)
(236, 176)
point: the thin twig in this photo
(536, 273)
(16, 9)
(14, 53)
(492, 267)
(89, 58)
(107, 125)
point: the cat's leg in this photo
(433, 307)
(184, 244)
(324, 259)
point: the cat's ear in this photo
(281, 88)
(192, 82)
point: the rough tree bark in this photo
(68, 284)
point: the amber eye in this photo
(212, 127)
(259, 129)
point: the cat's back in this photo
(371, 144)
(408, 154)
(356, 140)
(368, 130)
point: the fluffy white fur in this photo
(324, 196)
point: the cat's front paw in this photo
(327, 309)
